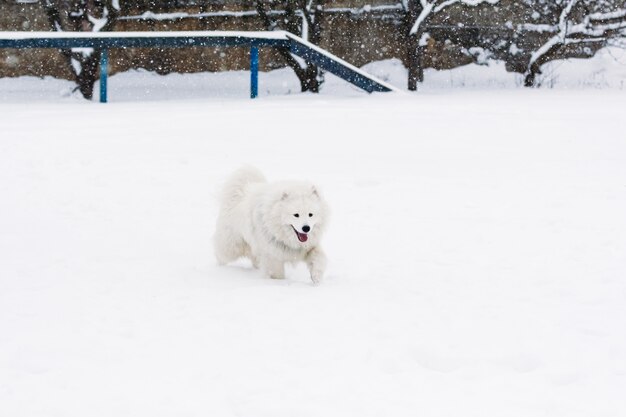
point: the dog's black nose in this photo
(306, 229)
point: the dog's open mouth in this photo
(302, 237)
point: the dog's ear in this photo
(284, 196)
(314, 191)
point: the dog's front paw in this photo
(316, 262)
(316, 279)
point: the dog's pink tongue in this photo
(302, 237)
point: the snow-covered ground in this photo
(477, 251)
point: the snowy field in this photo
(477, 249)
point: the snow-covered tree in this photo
(304, 17)
(526, 34)
(419, 15)
(578, 28)
(82, 16)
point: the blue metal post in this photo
(104, 62)
(254, 72)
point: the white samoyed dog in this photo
(271, 224)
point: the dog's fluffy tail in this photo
(234, 188)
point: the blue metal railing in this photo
(254, 72)
(104, 70)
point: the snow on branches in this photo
(525, 34)
(583, 25)
(301, 16)
(433, 7)
(419, 13)
(82, 16)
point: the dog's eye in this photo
(310, 214)
(296, 215)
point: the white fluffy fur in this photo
(257, 221)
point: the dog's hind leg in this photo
(228, 247)
(250, 255)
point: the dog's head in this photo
(299, 213)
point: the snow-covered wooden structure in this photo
(104, 41)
